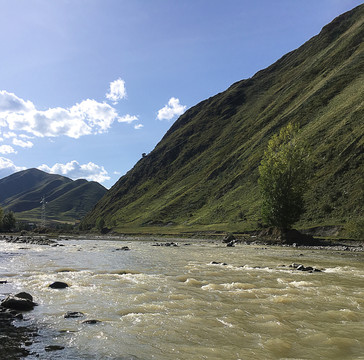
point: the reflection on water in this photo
(185, 303)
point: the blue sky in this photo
(87, 86)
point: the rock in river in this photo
(300, 267)
(58, 285)
(73, 314)
(91, 322)
(19, 303)
(24, 295)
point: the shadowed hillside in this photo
(203, 173)
(67, 200)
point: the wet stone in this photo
(14, 303)
(73, 314)
(24, 295)
(91, 322)
(54, 348)
(58, 285)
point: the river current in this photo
(200, 300)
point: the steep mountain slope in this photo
(203, 173)
(66, 199)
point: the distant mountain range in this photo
(66, 199)
(203, 174)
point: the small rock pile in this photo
(300, 267)
(14, 338)
(36, 240)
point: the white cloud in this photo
(74, 170)
(9, 102)
(138, 126)
(117, 91)
(128, 118)
(23, 136)
(173, 108)
(7, 149)
(7, 167)
(9, 135)
(22, 143)
(85, 118)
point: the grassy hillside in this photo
(67, 200)
(203, 173)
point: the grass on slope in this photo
(204, 174)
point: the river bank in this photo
(13, 338)
(260, 238)
(16, 333)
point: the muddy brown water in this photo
(174, 303)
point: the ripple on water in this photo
(232, 287)
(194, 282)
(181, 307)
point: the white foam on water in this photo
(300, 284)
(170, 303)
(228, 287)
(225, 323)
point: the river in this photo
(159, 302)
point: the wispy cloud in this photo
(128, 118)
(138, 126)
(9, 135)
(172, 109)
(22, 143)
(7, 149)
(7, 167)
(74, 170)
(117, 91)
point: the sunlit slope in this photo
(66, 199)
(204, 171)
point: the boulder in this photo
(24, 295)
(91, 322)
(166, 244)
(73, 314)
(170, 244)
(229, 238)
(53, 348)
(300, 267)
(124, 248)
(20, 304)
(58, 285)
(218, 263)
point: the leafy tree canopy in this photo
(283, 178)
(9, 221)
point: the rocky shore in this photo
(15, 336)
(292, 238)
(37, 240)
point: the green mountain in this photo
(66, 200)
(203, 174)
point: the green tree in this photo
(9, 221)
(100, 223)
(283, 178)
